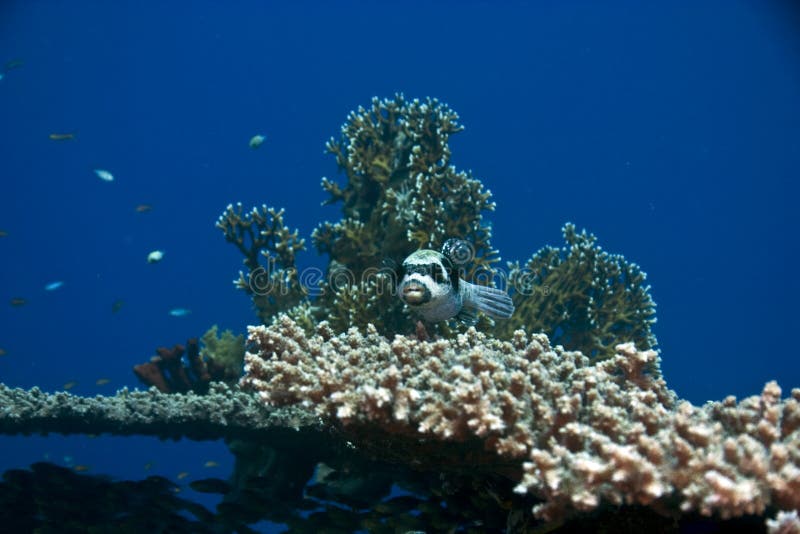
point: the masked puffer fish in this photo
(430, 286)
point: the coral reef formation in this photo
(582, 297)
(220, 359)
(582, 433)
(510, 433)
(169, 372)
(269, 248)
(224, 354)
(461, 423)
(402, 193)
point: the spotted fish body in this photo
(430, 286)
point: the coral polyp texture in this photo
(401, 186)
(583, 297)
(573, 433)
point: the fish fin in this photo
(467, 316)
(492, 301)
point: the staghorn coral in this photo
(401, 194)
(582, 297)
(583, 433)
(261, 233)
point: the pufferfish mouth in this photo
(415, 294)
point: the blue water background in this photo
(671, 130)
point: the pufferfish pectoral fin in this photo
(468, 316)
(492, 301)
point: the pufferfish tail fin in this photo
(492, 301)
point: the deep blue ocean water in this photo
(670, 130)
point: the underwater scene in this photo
(399, 267)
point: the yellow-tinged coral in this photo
(269, 248)
(401, 194)
(224, 352)
(581, 296)
(580, 433)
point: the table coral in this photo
(469, 419)
(583, 433)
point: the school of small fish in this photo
(154, 256)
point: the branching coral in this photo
(480, 416)
(261, 235)
(582, 433)
(582, 297)
(401, 194)
(169, 373)
(224, 353)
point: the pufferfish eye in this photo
(432, 270)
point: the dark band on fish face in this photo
(432, 270)
(452, 272)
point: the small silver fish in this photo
(257, 140)
(52, 286)
(179, 312)
(155, 256)
(430, 286)
(69, 136)
(104, 175)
